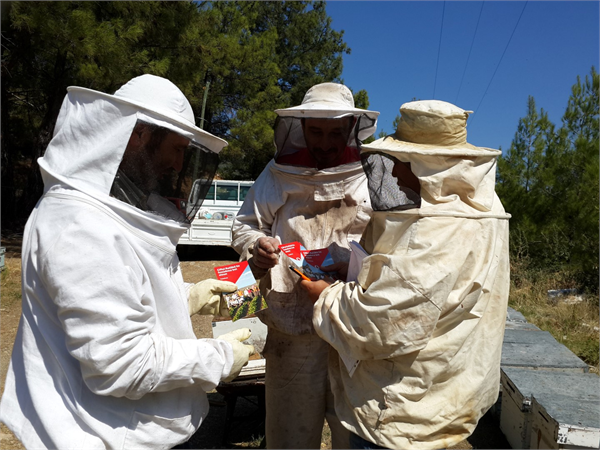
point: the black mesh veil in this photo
(289, 136)
(175, 194)
(195, 179)
(384, 191)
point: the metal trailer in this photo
(212, 223)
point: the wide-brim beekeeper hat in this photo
(167, 107)
(332, 101)
(432, 137)
(93, 129)
(429, 127)
(322, 101)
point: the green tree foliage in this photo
(361, 100)
(48, 46)
(303, 50)
(250, 58)
(522, 170)
(548, 181)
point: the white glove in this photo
(241, 352)
(205, 297)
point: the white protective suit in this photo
(318, 208)
(426, 317)
(105, 355)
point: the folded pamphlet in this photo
(357, 254)
(309, 261)
(247, 300)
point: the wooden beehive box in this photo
(538, 406)
(567, 416)
(538, 350)
(515, 412)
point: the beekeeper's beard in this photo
(140, 169)
(137, 181)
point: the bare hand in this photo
(266, 252)
(340, 267)
(314, 288)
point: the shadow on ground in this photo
(246, 430)
(206, 253)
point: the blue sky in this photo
(510, 49)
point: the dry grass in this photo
(10, 311)
(10, 288)
(326, 436)
(573, 321)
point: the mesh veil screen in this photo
(384, 191)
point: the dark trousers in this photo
(358, 442)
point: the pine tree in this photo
(575, 172)
(548, 181)
(249, 58)
(304, 50)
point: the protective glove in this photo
(241, 352)
(205, 297)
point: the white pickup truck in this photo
(212, 224)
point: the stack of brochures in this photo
(309, 262)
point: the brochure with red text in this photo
(309, 261)
(247, 300)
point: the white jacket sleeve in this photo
(110, 324)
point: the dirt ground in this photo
(247, 427)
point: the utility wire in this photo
(469, 57)
(439, 48)
(498, 65)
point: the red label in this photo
(316, 257)
(231, 272)
(293, 250)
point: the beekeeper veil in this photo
(326, 130)
(428, 161)
(140, 146)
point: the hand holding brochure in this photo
(309, 261)
(247, 300)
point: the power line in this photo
(470, 49)
(498, 65)
(439, 48)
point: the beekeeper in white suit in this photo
(313, 192)
(105, 355)
(425, 320)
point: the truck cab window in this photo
(210, 195)
(243, 191)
